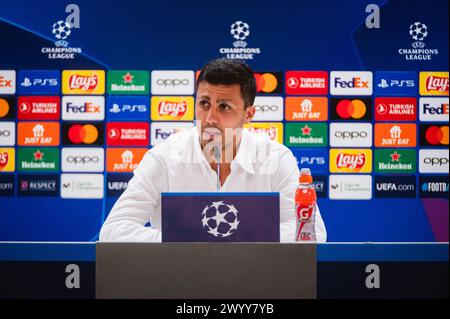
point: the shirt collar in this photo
(244, 157)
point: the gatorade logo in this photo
(434, 135)
(268, 82)
(351, 109)
(82, 134)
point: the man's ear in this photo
(249, 113)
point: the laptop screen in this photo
(220, 217)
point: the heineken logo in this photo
(38, 159)
(395, 161)
(129, 82)
(306, 134)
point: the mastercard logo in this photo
(437, 135)
(351, 109)
(86, 134)
(267, 82)
(4, 108)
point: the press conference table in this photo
(223, 270)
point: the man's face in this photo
(220, 107)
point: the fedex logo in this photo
(160, 131)
(351, 83)
(83, 108)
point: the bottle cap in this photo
(305, 176)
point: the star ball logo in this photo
(240, 31)
(418, 31)
(61, 30)
(220, 219)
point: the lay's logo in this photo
(434, 83)
(83, 82)
(172, 108)
(350, 160)
(273, 129)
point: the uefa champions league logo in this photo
(220, 219)
(61, 30)
(418, 31)
(240, 31)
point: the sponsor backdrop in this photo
(358, 90)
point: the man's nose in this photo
(211, 117)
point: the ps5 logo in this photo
(138, 108)
(39, 82)
(396, 83)
(312, 160)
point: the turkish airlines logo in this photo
(38, 107)
(307, 82)
(395, 109)
(126, 133)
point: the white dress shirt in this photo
(179, 165)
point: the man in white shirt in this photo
(188, 161)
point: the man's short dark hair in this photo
(228, 72)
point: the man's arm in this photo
(286, 182)
(137, 204)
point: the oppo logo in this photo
(5, 133)
(266, 108)
(83, 159)
(172, 82)
(436, 161)
(350, 134)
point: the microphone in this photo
(217, 156)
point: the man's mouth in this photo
(211, 133)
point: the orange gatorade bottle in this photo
(305, 207)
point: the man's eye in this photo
(225, 107)
(204, 103)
